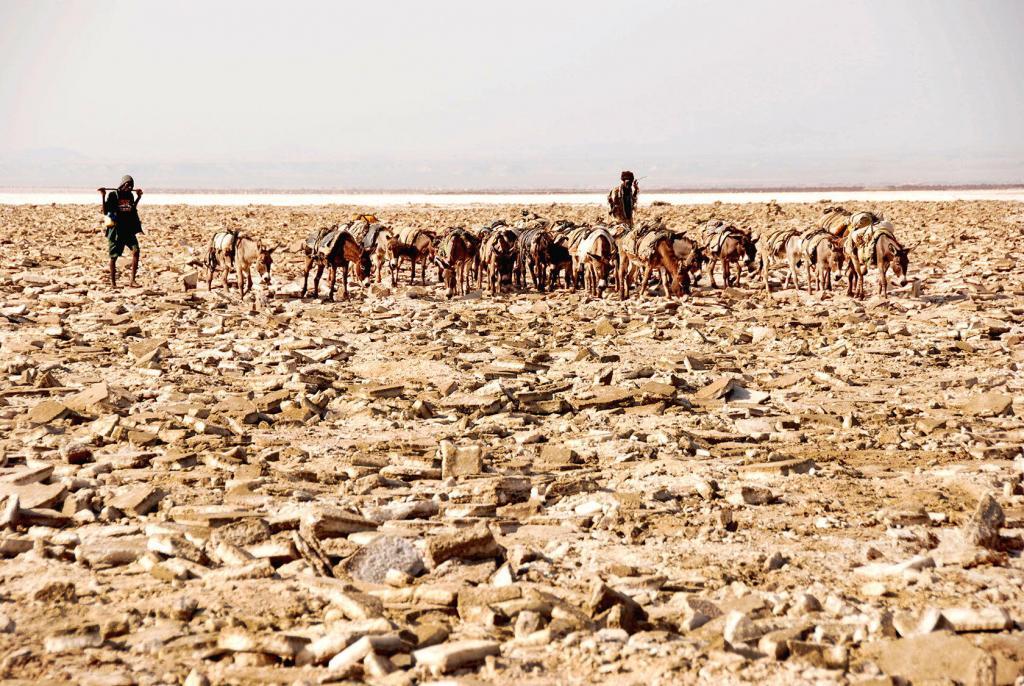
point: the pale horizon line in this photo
(528, 190)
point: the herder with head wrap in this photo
(622, 199)
(122, 224)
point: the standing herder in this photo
(622, 199)
(122, 225)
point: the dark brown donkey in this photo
(372, 237)
(690, 258)
(330, 249)
(456, 255)
(730, 245)
(232, 249)
(533, 255)
(415, 245)
(560, 260)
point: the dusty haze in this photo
(459, 95)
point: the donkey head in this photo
(901, 263)
(697, 262)
(264, 260)
(750, 250)
(838, 255)
(363, 265)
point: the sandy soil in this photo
(196, 488)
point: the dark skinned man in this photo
(120, 207)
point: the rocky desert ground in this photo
(530, 488)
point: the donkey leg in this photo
(316, 279)
(344, 281)
(663, 276)
(645, 280)
(672, 283)
(332, 281)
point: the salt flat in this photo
(564, 488)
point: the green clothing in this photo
(119, 238)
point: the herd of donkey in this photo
(499, 256)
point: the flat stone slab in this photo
(780, 468)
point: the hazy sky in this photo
(522, 94)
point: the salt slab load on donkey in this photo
(332, 248)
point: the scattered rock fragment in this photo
(983, 527)
(385, 553)
(447, 657)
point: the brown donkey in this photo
(415, 245)
(533, 255)
(231, 248)
(497, 259)
(690, 258)
(456, 255)
(560, 261)
(372, 237)
(823, 254)
(330, 249)
(648, 250)
(730, 245)
(875, 245)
